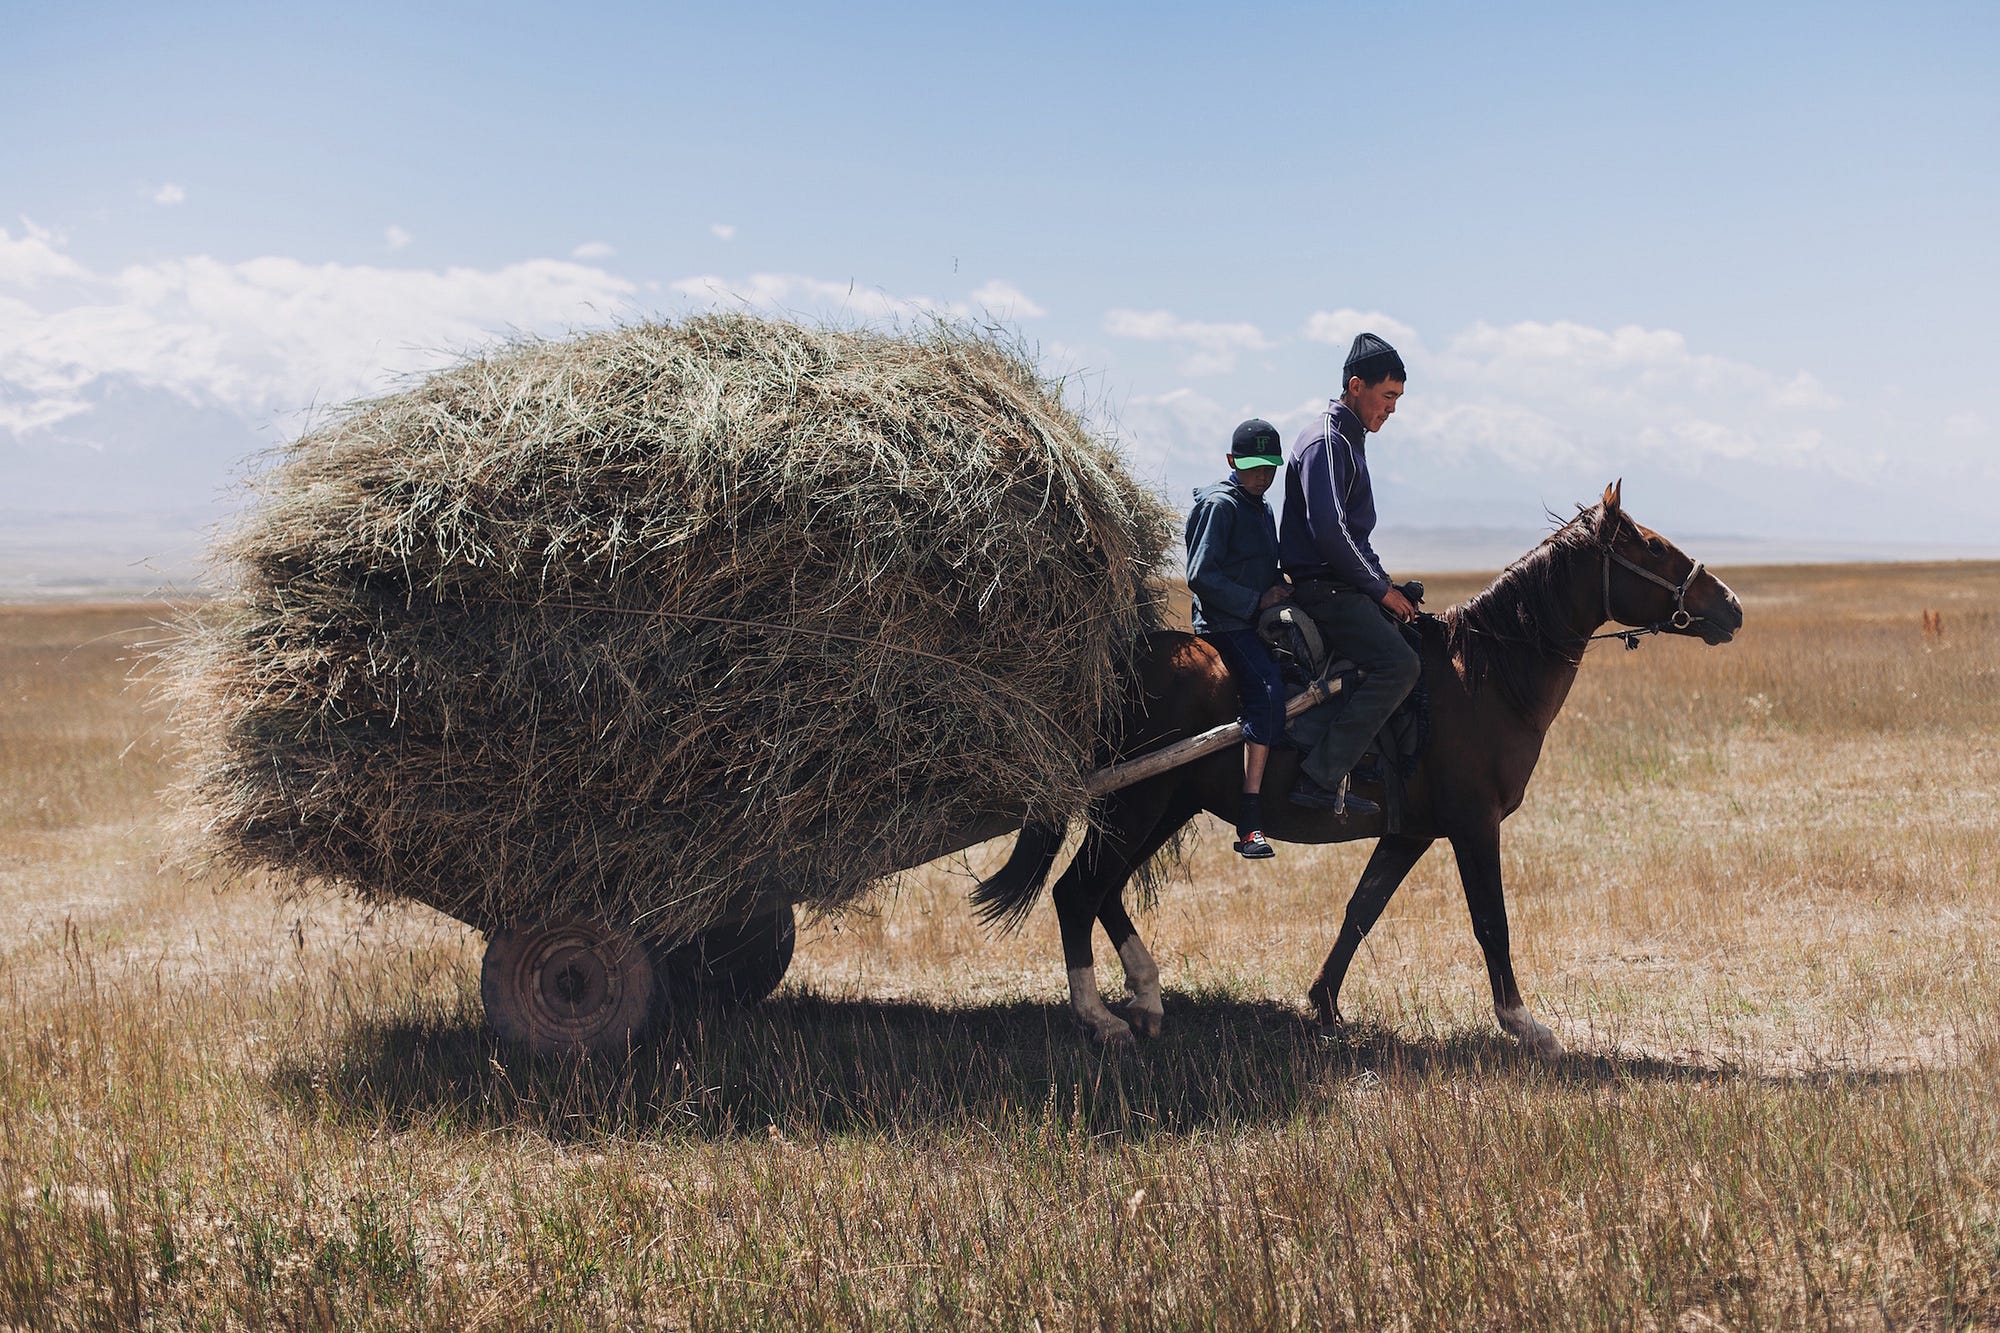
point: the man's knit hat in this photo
(1256, 444)
(1370, 358)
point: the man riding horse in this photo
(1337, 578)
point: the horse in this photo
(1498, 668)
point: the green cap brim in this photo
(1258, 460)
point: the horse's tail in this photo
(1006, 897)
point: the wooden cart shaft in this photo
(1115, 776)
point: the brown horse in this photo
(1498, 668)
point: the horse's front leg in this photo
(1147, 1012)
(1479, 869)
(1394, 856)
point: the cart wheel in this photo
(566, 985)
(739, 962)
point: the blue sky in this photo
(1740, 255)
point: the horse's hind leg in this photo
(1148, 1011)
(1077, 895)
(1479, 868)
(1387, 868)
(1125, 835)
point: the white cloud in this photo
(264, 336)
(1804, 390)
(1176, 432)
(1184, 433)
(1540, 399)
(396, 237)
(787, 293)
(1566, 395)
(592, 250)
(1164, 325)
(722, 231)
(276, 335)
(1964, 426)
(1558, 400)
(1521, 436)
(170, 194)
(34, 257)
(1338, 327)
(1006, 300)
(1206, 349)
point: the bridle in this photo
(1680, 619)
(1571, 651)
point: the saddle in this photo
(1303, 657)
(1297, 645)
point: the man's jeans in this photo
(1357, 629)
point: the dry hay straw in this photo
(650, 622)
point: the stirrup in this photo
(1352, 803)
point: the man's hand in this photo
(1277, 592)
(1398, 606)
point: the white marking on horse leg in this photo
(1142, 977)
(1536, 1037)
(1104, 1027)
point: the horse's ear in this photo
(1612, 494)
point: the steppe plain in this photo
(1755, 888)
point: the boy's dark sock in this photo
(1249, 814)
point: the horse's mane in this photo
(1509, 632)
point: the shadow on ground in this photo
(812, 1066)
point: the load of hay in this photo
(650, 622)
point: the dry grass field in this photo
(1756, 890)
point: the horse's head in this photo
(1652, 583)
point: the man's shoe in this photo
(1311, 795)
(1254, 846)
(1341, 801)
(1359, 805)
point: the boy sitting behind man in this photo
(1232, 570)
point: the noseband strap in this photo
(1680, 618)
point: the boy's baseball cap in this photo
(1256, 444)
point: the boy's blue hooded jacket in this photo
(1232, 556)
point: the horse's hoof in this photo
(1146, 1022)
(1115, 1036)
(1535, 1038)
(1544, 1045)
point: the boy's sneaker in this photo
(1254, 846)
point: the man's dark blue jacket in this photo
(1232, 556)
(1330, 505)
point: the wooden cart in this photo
(570, 984)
